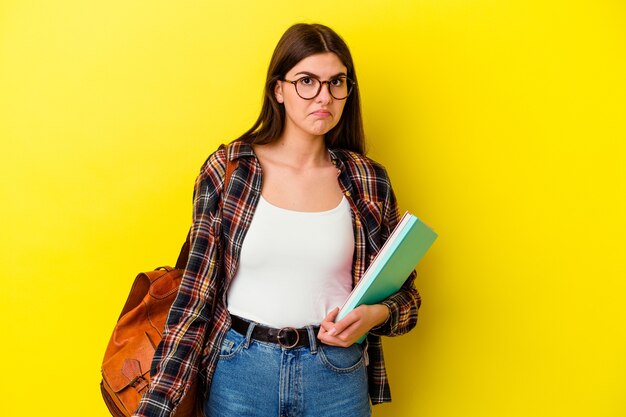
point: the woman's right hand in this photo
(353, 326)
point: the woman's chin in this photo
(320, 129)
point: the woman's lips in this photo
(321, 113)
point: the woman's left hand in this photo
(348, 330)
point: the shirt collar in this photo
(239, 149)
(335, 158)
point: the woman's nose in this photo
(324, 96)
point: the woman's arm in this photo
(175, 361)
(394, 316)
(404, 304)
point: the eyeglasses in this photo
(309, 87)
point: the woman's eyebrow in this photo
(310, 74)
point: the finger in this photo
(352, 318)
(351, 330)
(350, 334)
(335, 341)
(323, 331)
(330, 340)
(328, 324)
(332, 315)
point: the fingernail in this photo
(332, 331)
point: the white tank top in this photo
(294, 267)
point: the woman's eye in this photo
(306, 81)
(337, 82)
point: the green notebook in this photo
(391, 267)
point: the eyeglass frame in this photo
(350, 82)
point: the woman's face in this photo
(317, 116)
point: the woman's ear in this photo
(278, 92)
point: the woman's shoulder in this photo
(214, 166)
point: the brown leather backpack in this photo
(138, 332)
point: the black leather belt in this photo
(287, 337)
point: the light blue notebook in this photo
(393, 264)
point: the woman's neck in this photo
(302, 151)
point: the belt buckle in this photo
(283, 337)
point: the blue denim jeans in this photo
(261, 379)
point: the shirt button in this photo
(348, 193)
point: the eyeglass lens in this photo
(309, 87)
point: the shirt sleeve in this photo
(175, 362)
(404, 304)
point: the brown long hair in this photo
(298, 42)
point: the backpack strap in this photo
(183, 256)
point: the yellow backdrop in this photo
(501, 123)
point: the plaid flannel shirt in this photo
(199, 319)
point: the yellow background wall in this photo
(501, 123)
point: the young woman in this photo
(276, 252)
